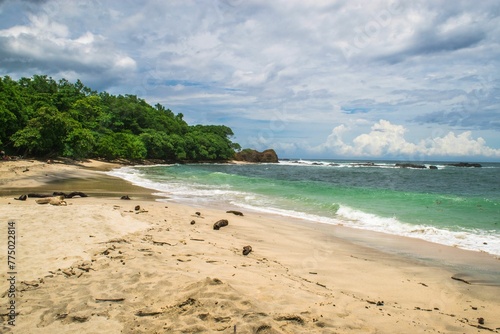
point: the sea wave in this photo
(188, 192)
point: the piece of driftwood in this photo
(58, 193)
(21, 198)
(56, 200)
(220, 223)
(35, 195)
(111, 300)
(460, 279)
(237, 213)
(70, 195)
(147, 314)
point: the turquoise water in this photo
(451, 205)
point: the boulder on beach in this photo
(220, 223)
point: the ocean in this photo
(455, 206)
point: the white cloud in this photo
(387, 140)
(46, 45)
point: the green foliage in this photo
(42, 117)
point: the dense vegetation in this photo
(40, 117)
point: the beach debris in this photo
(194, 239)
(56, 200)
(197, 213)
(193, 222)
(34, 195)
(137, 208)
(111, 300)
(125, 197)
(460, 279)
(237, 213)
(147, 314)
(21, 198)
(70, 195)
(59, 193)
(292, 318)
(381, 303)
(187, 302)
(247, 250)
(220, 223)
(161, 243)
(480, 321)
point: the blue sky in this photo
(408, 80)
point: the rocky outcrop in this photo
(249, 155)
(407, 165)
(465, 164)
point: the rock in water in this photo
(247, 250)
(220, 223)
(250, 155)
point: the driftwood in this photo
(237, 213)
(220, 223)
(70, 195)
(112, 300)
(21, 198)
(59, 193)
(460, 279)
(39, 195)
(147, 314)
(56, 200)
(125, 197)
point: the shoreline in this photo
(299, 277)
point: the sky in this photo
(405, 80)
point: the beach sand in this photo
(98, 265)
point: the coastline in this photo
(176, 276)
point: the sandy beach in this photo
(100, 264)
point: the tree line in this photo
(41, 117)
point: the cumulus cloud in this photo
(387, 140)
(46, 45)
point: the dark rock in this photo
(250, 155)
(220, 223)
(137, 207)
(126, 197)
(193, 222)
(237, 213)
(466, 164)
(433, 167)
(480, 321)
(365, 164)
(408, 165)
(197, 213)
(21, 198)
(247, 250)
